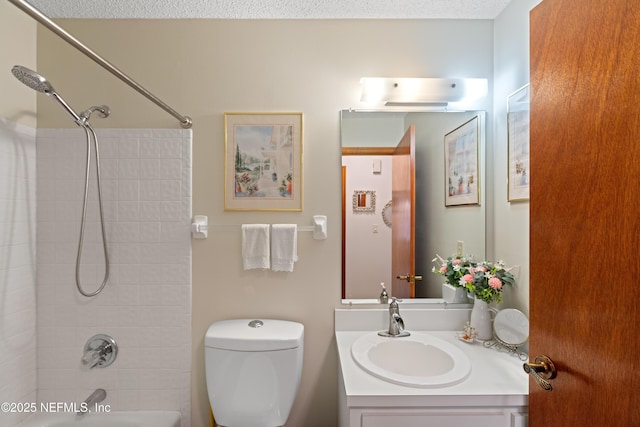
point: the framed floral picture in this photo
(461, 164)
(263, 161)
(518, 145)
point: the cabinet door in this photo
(477, 417)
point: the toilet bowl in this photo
(253, 370)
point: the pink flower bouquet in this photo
(484, 280)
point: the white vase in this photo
(455, 295)
(481, 317)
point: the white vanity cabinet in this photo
(425, 411)
(436, 417)
(495, 394)
(451, 417)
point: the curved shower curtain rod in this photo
(185, 121)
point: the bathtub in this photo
(105, 419)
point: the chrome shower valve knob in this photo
(100, 351)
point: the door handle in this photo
(541, 370)
(409, 278)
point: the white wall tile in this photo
(128, 168)
(171, 168)
(126, 231)
(151, 169)
(150, 211)
(151, 231)
(129, 211)
(171, 189)
(65, 167)
(171, 211)
(109, 168)
(125, 253)
(151, 190)
(170, 148)
(128, 273)
(149, 149)
(128, 190)
(108, 148)
(128, 148)
(146, 305)
(110, 189)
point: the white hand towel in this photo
(255, 246)
(284, 246)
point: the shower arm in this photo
(30, 10)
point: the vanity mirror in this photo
(368, 139)
(510, 333)
(511, 327)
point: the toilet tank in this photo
(253, 370)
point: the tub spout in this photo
(96, 397)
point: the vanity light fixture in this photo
(421, 92)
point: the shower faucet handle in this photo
(100, 351)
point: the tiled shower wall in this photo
(17, 267)
(146, 306)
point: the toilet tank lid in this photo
(264, 335)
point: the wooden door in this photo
(585, 219)
(344, 232)
(403, 226)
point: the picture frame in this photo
(263, 162)
(461, 148)
(364, 201)
(519, 174)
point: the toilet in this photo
(253, 370)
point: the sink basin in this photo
(419, 360)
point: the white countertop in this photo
(496, 379)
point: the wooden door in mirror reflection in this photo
(403, 226)
(344, 231)
(585, 226)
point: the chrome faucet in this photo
(94, 358)
(100, 351)
(396, 324)
(96, 397)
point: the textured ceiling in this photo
(272, 9)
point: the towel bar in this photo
(200, 227)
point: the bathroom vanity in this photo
(492, 393)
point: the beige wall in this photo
(509, 222)
(204, 68)
(18, 47)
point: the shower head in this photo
(36, 82)
(32, 79)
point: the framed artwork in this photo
(461, 164)
(518, 145)
(263, 161)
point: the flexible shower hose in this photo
(91, 135)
